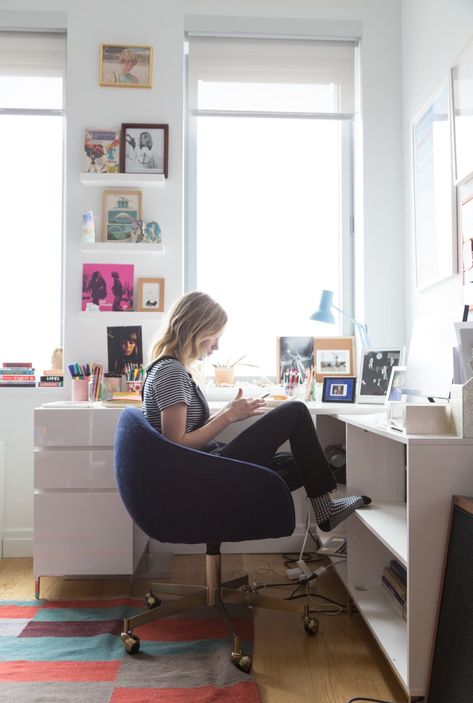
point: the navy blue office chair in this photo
(184, 496)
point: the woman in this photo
(175, 406)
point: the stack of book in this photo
(52, 378)
(17, 373)
(395, 586)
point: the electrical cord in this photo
(371, 700)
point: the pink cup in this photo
(80, 389)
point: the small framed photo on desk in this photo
(339, 390)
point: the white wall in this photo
(434, 32)
(160, 23)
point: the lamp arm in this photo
(361, 326)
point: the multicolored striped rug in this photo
(71, 652)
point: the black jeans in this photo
(291, 421)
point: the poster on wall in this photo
(107, 287)
(436, 250)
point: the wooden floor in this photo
(340, 663)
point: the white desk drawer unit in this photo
(81, 527)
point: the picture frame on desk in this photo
(339, 390)
(144, 148)
(375, 372)
(334, 356)
(396, 383)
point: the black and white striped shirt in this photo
(168, 383)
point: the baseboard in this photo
(16, 546)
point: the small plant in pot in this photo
(224, 371)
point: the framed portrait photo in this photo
(150, 296)
(334, 356)
(144, 148)
(396, 384)
(124, 66)
(375, 373)
(121, 209)
(339, 390)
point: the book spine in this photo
(16, 377)
(399, 570)
(394, 593)
(51, 378)
(395, 582)
(50, 384)
(16, 364)
(17, 384)
(16, 369)
(401, 609)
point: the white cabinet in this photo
(81, 527)
(411, 480)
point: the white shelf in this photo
(388, 522)
(119, 180)
(389, 629)
(120, 317)
(122, 247)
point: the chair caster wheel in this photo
(311, 627)
(152, 601)
(243, 662)
(131, 642)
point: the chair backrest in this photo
(185, 496)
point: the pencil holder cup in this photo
(134, 386)
(79, 389)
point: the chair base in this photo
(215, 594)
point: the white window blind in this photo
(254, 75)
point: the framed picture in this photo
(121, 209)
(150, 295)
(101, 150)
(294, 354)
(436, 247)
(124, 347)
(334, 356)
(123, 66)
(107, 287)
(144, 148)
(462, 101)
(375, 372)
(396, 384)
(339, 390)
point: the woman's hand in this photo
(240, 408)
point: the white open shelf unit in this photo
(123, 247)
(120, 180)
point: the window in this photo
(31, 188)
(269, 189)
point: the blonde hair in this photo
(193, 318)
(128, 56)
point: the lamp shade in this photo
(324, 313)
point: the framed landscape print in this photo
(124, 66)
(375, 372)
(150, 297)
(121, 209)
(145, 148)
(334, 356)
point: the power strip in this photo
(293, 573)
(304, 568)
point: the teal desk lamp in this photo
(324, 314)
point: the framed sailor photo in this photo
(144, 148)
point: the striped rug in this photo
(71, 652)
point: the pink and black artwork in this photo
(107, 287)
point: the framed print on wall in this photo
(150, 295)
(125, 66)
(107, 287)
(334, 356)
(436, 248)
(121, 209)
(462, 102)
(145, 148)
(375, 372)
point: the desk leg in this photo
(37, 586)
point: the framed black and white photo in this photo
(375, 373)
(144, 148)
(339, 390)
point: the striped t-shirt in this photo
(168, 383)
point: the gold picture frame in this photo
(126, 66)
(121, 208)
(150, 296)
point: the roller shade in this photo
(32, 53)
(247, 74)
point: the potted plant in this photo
(224, 372)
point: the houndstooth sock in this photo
(329, 513)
